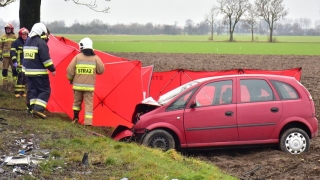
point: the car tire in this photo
(294, 141)
(159, 139)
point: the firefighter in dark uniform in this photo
(16, 54)
(36, 62)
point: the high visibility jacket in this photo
(36, 57)
(5, 44)
(82, 71)
(16, 52)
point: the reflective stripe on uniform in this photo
(41, 103)
(88, 115)
(86, 64)
(7, 40)
(83, 87)
(33, 101)
(47, 63)
(36, 71)
(76, 108)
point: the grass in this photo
(284, 45)
(188, 38)
(108, 159)
(212, 48)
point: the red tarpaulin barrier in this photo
(111, 88)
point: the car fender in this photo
(173, 128)
(121, 132)
(276, 132)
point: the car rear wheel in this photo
(294, 141)
(159, 139)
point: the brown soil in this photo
(259, 162)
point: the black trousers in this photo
(21, 82)
(38, 92)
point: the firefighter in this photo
(81, 72)
(36, 63)
(16, 54)
(5, 46)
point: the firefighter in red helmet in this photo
(5, 46)
(16, 54)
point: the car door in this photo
(212, 123)
(258, 110)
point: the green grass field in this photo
(284, 45)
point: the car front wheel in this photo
(294, 141)
(159, 139)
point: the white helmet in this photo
(38, 29)
(85, 43)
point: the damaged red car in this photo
(225, 111)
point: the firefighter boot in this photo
(38, 114)
(5, 82)
(75, 117)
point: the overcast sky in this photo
(144, 11)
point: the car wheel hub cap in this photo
(159, 142)
(295, 143)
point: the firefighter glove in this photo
(15, 64)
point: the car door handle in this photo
(274, 109)
(228, 113)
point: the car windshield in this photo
(173, 93)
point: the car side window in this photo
(214, 94)
(285, 90)
(181, 102)
(255, 90)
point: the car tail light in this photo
(311, 100)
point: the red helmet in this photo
(9, 26)
(23, 31)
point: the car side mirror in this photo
(193, 103)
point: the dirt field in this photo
(251, 163)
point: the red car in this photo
(228, 110)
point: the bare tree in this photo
(4, 3)
(271, 11)
(210, 17)
(189, 27)
(251, 19)
(233, 10)
(305, 23)
(93, 5)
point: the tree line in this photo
(225, 17)
(296, 27)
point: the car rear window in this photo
(255, 90)
(285, 91)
